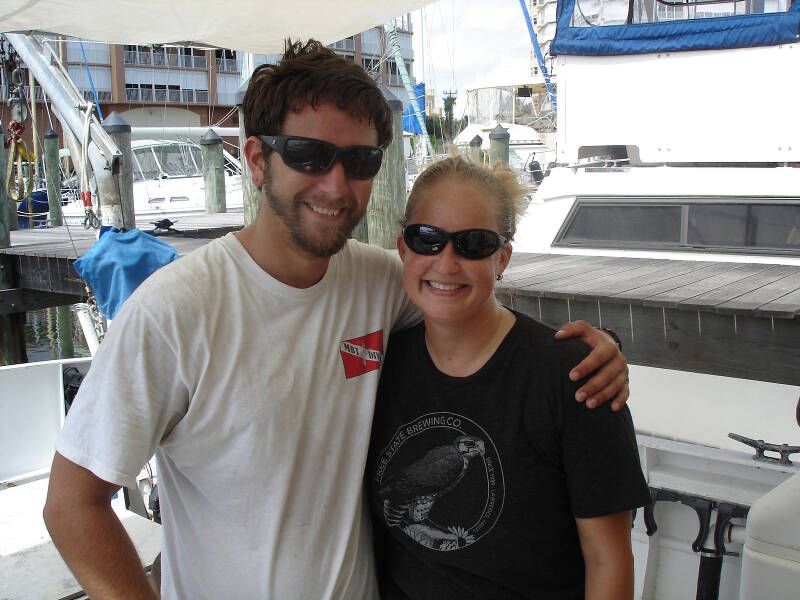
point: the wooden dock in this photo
(41, 259)
(731, 319)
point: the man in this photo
(250, 368)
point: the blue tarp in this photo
(410, 123)
(118, 262)
(738, 31)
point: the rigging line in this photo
(450, 51)
(91, 81)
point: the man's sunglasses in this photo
(308, 155)
(474, 244)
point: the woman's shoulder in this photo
(539, 339)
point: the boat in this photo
(167, 182)
(523, 111)
(673, 216)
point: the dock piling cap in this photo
(115, 123)
(499, 133)
(210, 137)
(476, 141)
(394, 102)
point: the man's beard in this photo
(318, 239)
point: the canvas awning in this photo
(258, 26)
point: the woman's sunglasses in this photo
(474, 244)
(308, 155)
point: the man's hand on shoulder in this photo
(610, 379)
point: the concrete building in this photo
(182, 86)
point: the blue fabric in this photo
(673, 36)
(410, 123)
(118, 262)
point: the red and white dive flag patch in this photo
(362, 354)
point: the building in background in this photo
(181, 86)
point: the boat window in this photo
(176, 160)
(148, 166)
(745, 225)
(629, 223)
(590, 13)
(735, 225)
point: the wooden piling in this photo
(213, 172)
(12, 326)
(8, 209)
(120, 131)
(251, 195)
(498, 145)
(388, 200)
(475, 152)
(65, 327)
(53, 176)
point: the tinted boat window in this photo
(775, 226)
(647, 224)
(718, 224)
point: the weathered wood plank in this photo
(566, 287)
(732, 272)
(725, 293)
(783, 307)
(674, 277)
(753, 300)
(555, 271)
(22, 300)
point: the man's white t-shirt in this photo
(257, 399)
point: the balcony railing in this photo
(159, 59)
(201, 96)
(187, 96)
(160, 95)
(132, 95)
(347, 44)
(129, 57)
(227, 64)
(102, 95)
(147, 94)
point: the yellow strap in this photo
(18, 152)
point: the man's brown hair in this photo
(311, 74)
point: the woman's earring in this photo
(499, 277)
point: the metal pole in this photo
(119, 131)
(498, 145)
(388, 200)
(63, 96)
(213, 172)
(53, 175)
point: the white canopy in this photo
(258, 26)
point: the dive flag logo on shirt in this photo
(362, 354)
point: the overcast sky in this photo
(470, 43)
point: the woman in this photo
(485, 477)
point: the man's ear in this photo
(254, 155)
(401, 247)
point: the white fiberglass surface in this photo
(704, 409)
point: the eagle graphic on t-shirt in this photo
(409, 495)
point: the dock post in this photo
(498, 145)
(251, 195)
(52, 170)
(120, 132)
(65, 330)
(213, 172)
(12, 326)
(475, 152)
(8, 209)
(388, 200)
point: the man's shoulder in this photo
(186, 279)
(374, 256)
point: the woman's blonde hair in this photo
(505, 194)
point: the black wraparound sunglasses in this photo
(474, 244)
(308, 155)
